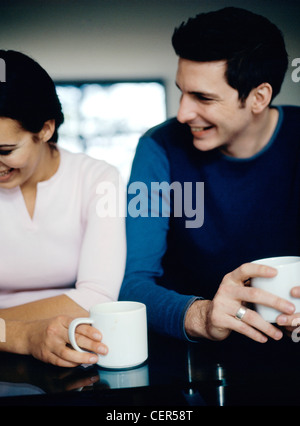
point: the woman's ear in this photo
(47, 131)
(262, 96)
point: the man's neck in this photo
(257, 137)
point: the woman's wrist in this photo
(16, 337)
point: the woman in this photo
(57, 255)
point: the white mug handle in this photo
(72, 328)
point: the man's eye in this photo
(5, 152)
(203, 98)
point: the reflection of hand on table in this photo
(20, 371)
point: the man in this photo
(195, 279)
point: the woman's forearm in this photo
(13, 337)
(44, 308)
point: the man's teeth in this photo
(200, 129)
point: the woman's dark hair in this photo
(251, 45)
(28, 94)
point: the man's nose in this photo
(186, 111)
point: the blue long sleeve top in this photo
(244, 209)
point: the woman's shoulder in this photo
(86, 166)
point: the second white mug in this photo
(288, 276)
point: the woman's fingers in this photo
(48, 341)
(89, 338)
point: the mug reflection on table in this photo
(128, 378)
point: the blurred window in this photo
(106, 119)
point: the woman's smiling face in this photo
(21, 155)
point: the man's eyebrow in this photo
(201, 94)
(205, 94)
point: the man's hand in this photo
(290, 322)
(216, 319)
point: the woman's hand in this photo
(48, 341)
(216, 319)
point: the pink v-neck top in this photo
(67, 247)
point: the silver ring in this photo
(240, 313)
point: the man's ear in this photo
(261, 97)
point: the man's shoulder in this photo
(290, 126)
(167, 130)
(291, 112)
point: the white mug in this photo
(123, 326)
(288, 276)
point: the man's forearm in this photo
(196, 319)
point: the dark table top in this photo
(178, 375)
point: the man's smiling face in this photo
(210, 106)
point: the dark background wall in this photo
(103, 39)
